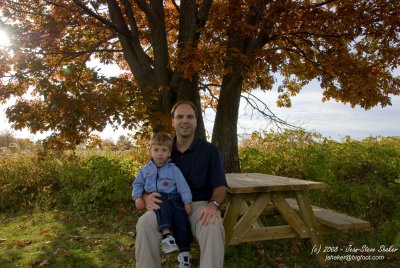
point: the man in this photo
(201, 165)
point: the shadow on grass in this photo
(67, 239)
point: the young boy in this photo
(162, 176)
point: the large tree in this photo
(173, 50)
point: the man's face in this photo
(184, 121)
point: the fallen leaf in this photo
(23, 243)
(76, 237)
(295, 248)
(43, 263)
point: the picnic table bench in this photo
(254, 199)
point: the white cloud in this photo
(331, 119)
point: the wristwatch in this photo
(215, 203)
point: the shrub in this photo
(86, 182)
(363, 176)
(104, 182)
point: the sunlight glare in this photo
(4, 40)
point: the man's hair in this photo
(161, 139)
(191, 104)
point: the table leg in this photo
(247, 220)
(231, 216)
(310, 220)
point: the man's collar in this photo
(191, 147)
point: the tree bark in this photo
(225, 125)
(239, 45)
(184, 89)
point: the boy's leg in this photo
(165, 219)
(181, 227)
(165, 213)
(210, 237)
(148, 238)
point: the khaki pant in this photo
(210, 238)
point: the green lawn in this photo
(58, 238)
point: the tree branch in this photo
(106, 22)
(144, 7)
(302, 54)
(323, 3)
(203, 12)
(264, 110)
(175, 5)
(131, 18)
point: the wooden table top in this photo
(257, 182)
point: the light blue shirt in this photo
(165, 179)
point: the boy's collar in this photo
(166, 162)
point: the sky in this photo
(331, 119)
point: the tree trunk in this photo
(225, 125)
(185, 89)
(226, 119)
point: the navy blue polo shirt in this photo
(202, 167)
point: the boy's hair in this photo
(161, 138)
(191, 104)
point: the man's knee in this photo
(147, 221)
(213, 231)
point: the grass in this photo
(67, 239)
(61, 238)
(41, 223)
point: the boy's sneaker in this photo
(169, 245)
(184, 259)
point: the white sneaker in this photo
(184, 259)
(169, 245)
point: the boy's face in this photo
(160, 154)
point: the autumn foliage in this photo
(209, 52)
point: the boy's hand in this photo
(188, 208)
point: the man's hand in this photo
(139, 203)
(152, 201)
(210, 214)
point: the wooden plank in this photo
(270, 233)
(290, 215)
(245, 207)
(246, 222)
(311, 222)
(257, 182)
(333, 219)
(231, 216)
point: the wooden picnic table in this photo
(254, 196)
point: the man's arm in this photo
(210, 214)
(219, 194)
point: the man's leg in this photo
(210, 237)
(148, 239)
